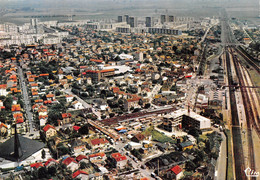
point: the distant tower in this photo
(34, 24)
(120, 19)
(133, 21)
(126, 18)
(70, 15)
(149, 21)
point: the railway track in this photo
(250, 120)
(236, 130)
(250, 60)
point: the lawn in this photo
(157, 136)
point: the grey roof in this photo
(27, 145)
(185, 144)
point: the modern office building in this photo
(120, 19)
(149, 21)
(164, 18)
(171, 19)
(126, 19)
(184, 119)
(133, 21)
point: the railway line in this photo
(238, 79)
(250, 117)
(253, 62)
(236, 130)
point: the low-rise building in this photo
(49, 131)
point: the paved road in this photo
(85, 105)
(155, 91)
(27, 102)
(222, 160)
(136, 163)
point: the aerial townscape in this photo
(107, 94)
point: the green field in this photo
(157, 136)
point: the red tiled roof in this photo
(37, 165)
(96, 155)
(47, 102)
(83, 67)
(38, 100)
(76, 128)
(3, 86)
(44, 74)
(50, 95)
(145, 178)
(69, 160)
(96, 60)
(91, 71)
(75, 174)
(47, 127)
(176, 170)
(3, 125)
(66, 115)
(16, 107)
(80, 157)
(107, 70)
(43, 117)
(133, 99)
(19, 120)
(34, 84)
(115, 89)
(99, 141)
(118, 157)
(50, 160)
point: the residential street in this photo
(27, 103)
(85, 105)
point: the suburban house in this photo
(66, 118)
(120, 159)
(174, 173)
(77, 105)
(186, 145)
(138, 138)
(80, 175)
(3, 129)
(78, 146)
(51, 162)
(69, 98)
(71, 163)
(49, 131)
(100, 142)
(97, 158)
(82, 158)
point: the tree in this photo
(43, 154)
(8, 103)
(84, 129)
(111, 115)
(194, 132)
(83, 165)
(52, 170)
(146, 106)
(42, 173)
(190, 166)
